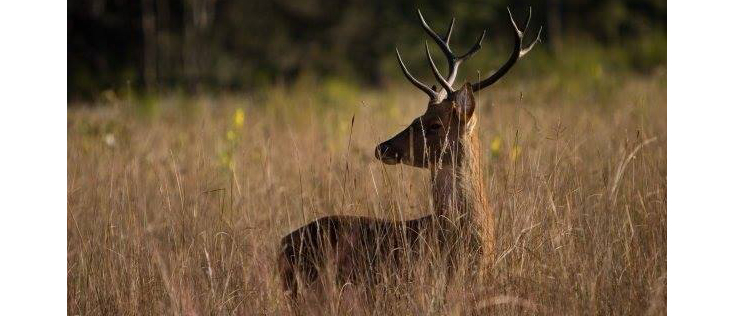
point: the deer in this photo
(443, 140)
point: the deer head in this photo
(434, 138)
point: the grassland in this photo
(176, 204)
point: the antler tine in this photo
(474, 48)
(528, 48)
(527, 24)
(450, 30)
(513, 23)
(454, 67)
(441, 43)
(436, 73)
(515, 55)
(432, 94)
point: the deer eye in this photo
(435, 126)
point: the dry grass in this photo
(177, 208)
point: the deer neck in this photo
(459, 196)
(457, 186)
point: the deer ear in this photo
(464, 100)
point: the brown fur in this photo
(459, 191)
(358, 248)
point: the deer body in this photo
(353, 245)
(461, 225)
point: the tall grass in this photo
(176, 207)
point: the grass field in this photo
(176, 204)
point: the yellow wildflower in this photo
(495, 146)
(238, 118)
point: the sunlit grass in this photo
(176, 204)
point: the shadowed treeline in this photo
(157, 46)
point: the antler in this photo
(515, 55)
(434, 96)
(453, 61)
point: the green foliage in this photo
(200, 46)
(147, 106)
(336, 92)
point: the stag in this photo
(444, 141)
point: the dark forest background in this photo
(159, 46)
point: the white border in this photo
(711, 157)
(33, 157)
(711, 154)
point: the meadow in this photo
(176, 204)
